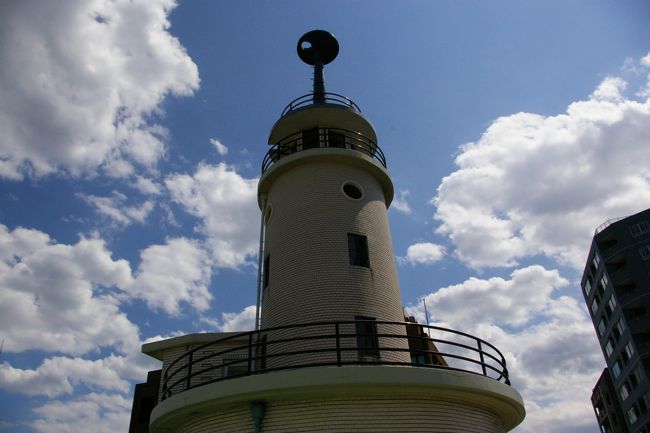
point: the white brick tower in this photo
(331, 351)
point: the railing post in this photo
(250, 352)
(480, 354)
(189, 371)
(338, 344)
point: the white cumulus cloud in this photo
(536, 184)
(226, 203)
(175, 272)
(93, 412)
(83, 81)
(400, 202)
(547, 339)
(115, 208)
(423, 253)
(49, 301)
(221, 148)
(242, 321)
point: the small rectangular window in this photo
(624, 392)
(266, 269)
(644, 251)
(596, 261)
(335, 139)
(616, 369)
(594, 306)
(587, 287)
(358, 250)
(632, 415)
(639, 229)
(629, 349)
(367, 341)
(604, 281)
(601, 327)
(620, 326)
(609, 348)
(310, 138)
(611, 304)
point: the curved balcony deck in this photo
(340, 343)
(323, 138)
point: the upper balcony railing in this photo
(360, 342)
(323, 138)
(321, 98)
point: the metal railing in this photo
(606, 224)
(322, 98)
(332, 344)
(324, 138)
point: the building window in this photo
(358, 250)
(587, 288)
(336, 139)
(624, 392)
(609, 348)
(235, 366)
(629, 349)
(620, 326)
(604, 281)
(639, 229)
(616, 370)
(611, 304)
(594, 306)
(644, 251)
(266, 270)
(352, 190)
(596, 260)
(601, 327)
(632, 415)
(367, 341)
(310, 139)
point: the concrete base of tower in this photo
(345, 399)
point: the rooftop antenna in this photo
(426, 315)
(318, 48)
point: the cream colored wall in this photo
(384, 414)
(310, 275)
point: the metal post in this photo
(250, 352)
(260, 265)
(189, 372)
(338, 344)
(480, 354)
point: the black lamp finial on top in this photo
(318, 48)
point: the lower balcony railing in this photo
(360, 342)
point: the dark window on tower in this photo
(335, 139)
(310, 138)
(358, 250)
(266, 269)
(367, 342)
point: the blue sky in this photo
(132, 138)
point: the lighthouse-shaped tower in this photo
(324, 194)
(331, 351)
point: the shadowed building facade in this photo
(616, 288)
(332, 350)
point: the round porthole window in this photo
(352, 190)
